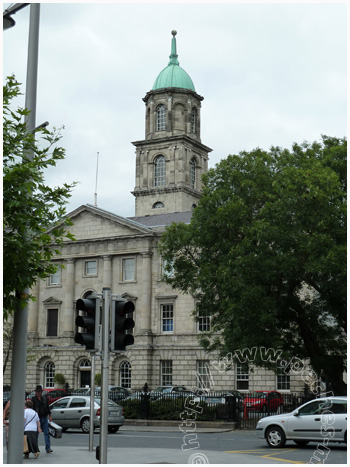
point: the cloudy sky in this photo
(270, 74)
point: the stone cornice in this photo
(169, 140)
(161, 191)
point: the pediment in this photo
(52, 301)
(91, 223)
(128, 296)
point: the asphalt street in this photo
(150, 445)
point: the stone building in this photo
(121, 253)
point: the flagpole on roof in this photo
(96, 180)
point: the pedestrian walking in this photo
(6, 419)
(41, 406)
(31, 429)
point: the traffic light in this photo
(122, 323)
(89, 320)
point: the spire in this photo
(173, 56)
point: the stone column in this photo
(33, 311)
(68, 319)
(145, 303)
(107, 271)
(189, 110)
(152, 118)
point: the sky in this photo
(271, 74)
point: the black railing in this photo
(245, 411)
(256, 407)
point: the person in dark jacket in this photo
(41, 406)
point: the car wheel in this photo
(113, 429)
(85, 425)
(275, 437)
(300, 442)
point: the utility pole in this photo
(20, 324)
(106, 294)
(92, 402)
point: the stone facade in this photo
(121, 253)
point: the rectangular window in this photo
(203, 374)
(166, 373)
(242, 376)
(90, 268)
(203, 323)
(55, 279)
(52, 322)
(283, 378)
(167, 312)
(167, 269)
(128, 269)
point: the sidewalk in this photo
(81, 455)
(119, 455)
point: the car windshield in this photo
(162, 389)
(260, 395)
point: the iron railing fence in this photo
(245, 410)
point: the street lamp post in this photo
(7, 20)
(20, 324)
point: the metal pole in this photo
(20, 324)
(106, 293)
(92, 402)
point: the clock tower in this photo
(171, 160)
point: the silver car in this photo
(74, 412)
(322, 419)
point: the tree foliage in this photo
(265, 254)
(30, 206)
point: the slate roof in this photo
(162, 220)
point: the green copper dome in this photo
(173, 76)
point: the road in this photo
(142, 446)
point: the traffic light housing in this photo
(121, 323)
(89, 320)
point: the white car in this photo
(74, 412)
(322, 419)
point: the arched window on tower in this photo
(159, 171)
(193, 172)
(158, 205)
(193, 120)
(161, 117)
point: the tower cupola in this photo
(173, 76)
(171, 160)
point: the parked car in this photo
(263, 401)
(137, 395)
(52, 394)
(74, 412)
(161, 390)
(80, 392)
(322, 419)
(115, 393)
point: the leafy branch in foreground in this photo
(30, 207)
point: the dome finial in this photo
(173, 56)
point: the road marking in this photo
(268, 456)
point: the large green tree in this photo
(30, 206)
(265, 254)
